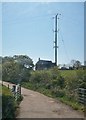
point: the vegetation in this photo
(60, 84)
(8, 104)
(17, 68)
(75, 64)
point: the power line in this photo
(64, 45)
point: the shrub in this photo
(8, 104)
(58, 92)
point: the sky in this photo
(27, 28)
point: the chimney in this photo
(39, 59)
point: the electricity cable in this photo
(66, 53)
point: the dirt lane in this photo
(36, 105)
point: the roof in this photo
(44, 62)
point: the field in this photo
(68, 73)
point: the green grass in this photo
(6, 91)
(68, 73)
(74, 104)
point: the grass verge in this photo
(9, 105)
(62, 97)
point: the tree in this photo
(17, 68)
(10, 71)
(7, 59)
(24, 60)
(76, 64)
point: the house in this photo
(44, 64)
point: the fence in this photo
(82, 95)
(16, 90)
